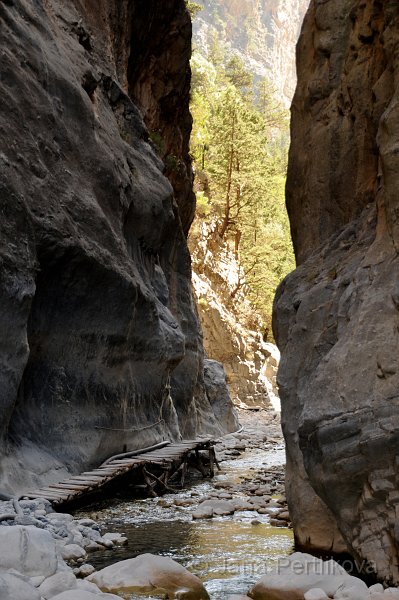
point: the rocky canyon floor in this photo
(220, 538)
(228, 531)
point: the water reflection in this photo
(228, 553)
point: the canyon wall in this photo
(233, 330)
(336, 317)
(263, 32)
(96, 308)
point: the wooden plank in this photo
(55, 493)
(48, 496)
(66, 486)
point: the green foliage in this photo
(239, 146)
(193, 8)
(203, 204)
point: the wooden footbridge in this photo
(154, 470)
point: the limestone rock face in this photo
(96, 308)
(336, 317)
(263, 32)
(233, 332)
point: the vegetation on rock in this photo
(239, 146)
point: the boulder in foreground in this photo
(300, 573)
(148, 573)
(29, 550)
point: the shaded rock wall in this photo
(336, 316)
(96, 307)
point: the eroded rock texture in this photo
(95, 300)
(336, 316)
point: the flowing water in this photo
(229, 553)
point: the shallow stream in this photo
(228, 553)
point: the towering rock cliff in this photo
(96, 310)
(336, 316)
(263, 32)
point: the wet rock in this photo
(220, 507)
(116, 538)
(203, 512)
(184, 501)
(150, 574)
(243, 505)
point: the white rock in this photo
(391, 593)
(299, 573)
(72, 552)
(116, 538)
(355, 592)
(220, 507)
(149, 573)
(60, 517)
(60, 582)
(36, 581)
(15, 588)
(84, 570)
(30, 550)
(315, 594)
(377, 587)
(88, 586)
(83, 595)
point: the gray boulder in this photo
(15, 588)
(29, 550)
(148, 573)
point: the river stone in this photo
(73, 552)
(15, 588)
(116, 538)
(30, 550)
(83, 584)
(377, 587)
(220, 507)
(60, 582)
(84, 595)
(203, 512)
(315, 594)
(148, 573)
(299, 573)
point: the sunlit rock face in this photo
(336, 316)
(96, 309)
(263, 32)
